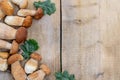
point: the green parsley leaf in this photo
(28, 47)
(47, 6)
(64, 76)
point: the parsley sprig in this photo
(47, 6)
(64, 76)
(28, 47)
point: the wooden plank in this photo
(91, 39)
(47, 32)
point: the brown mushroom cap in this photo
(7, 7)
(14, 58)
(14, 48)
(36, 56)
(45, 68)
(21, 35)
(27, 22)
(39, 14)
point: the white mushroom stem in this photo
(5, 45)
(14, 20)
(3, 64)
(21, 3)
(7, 32)
(31, 66)
(26, 12)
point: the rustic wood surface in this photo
(90, 39)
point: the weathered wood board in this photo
(91, 39)
(47, 32)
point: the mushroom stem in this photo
(3, 64)
(7, 32)
(37, 14)
(17, 71)
(12, 47)
(19, 21)
(21, 3)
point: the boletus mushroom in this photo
(2, 14)
(3, 64)
(7, 7)
(19, 21)
(21, 3)
(13, 47)
(7, 32)
(17, 71)
(32, 64)
(37, 14)
(40, 74)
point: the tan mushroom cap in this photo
(7, 7)
(4, 55)
(27, 22)
(45, 68)
(14, 58)
(39, 14)
(36, 56)
(15, 47)
(21, 35)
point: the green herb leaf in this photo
(47, 6)
(64, 76)
(28, 47)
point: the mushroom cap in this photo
(14, 58)
(27, 22)
(21, 35)
(39, 14)
(15, 47)
(7, 7)
(45, 68)
(4, 55)
(36, 56)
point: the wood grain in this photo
(91, 39)
(47, 32)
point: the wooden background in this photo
(81, 37)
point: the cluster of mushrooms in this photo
(31, 70)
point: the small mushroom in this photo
(7, 32)
(7, 7)
(21, 3)
(3, 64)
(19, 21)
(14, 58)
(4, 55)
(2, 14)
(40, 74)
(17, 71)
(32, 64)
(12, 47)
(27, 12)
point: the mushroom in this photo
(3, 64)
(27, 12)
(14, 58)
(17, 71)
(21, 3)
(12, 47)
(2, 14)
(19, 21)
(40, 74)
(7, 32)
(4, 55)
(32, 64)
(7, 7)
